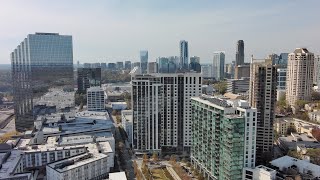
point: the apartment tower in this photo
(162, 110)
(299, 76)
(262, 96)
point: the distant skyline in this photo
(116, 30)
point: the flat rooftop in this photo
(117, 176)
(10, 160)
(291, 141)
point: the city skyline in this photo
(131, 26)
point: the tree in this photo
(315, 96)
(294, 153)
(300, 104)
(118, 118)
(172, 159)
(200, 177)
(145, 158)
(221, 87)
(114, 112)
(155, 157)
(291, 129)
(316, 133)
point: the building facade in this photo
(218, 65)
(162, 110)
(152, 67)
(88, 77)
(262, 96)
(223, 137)
(96, 99)
(127, 65)
(184, 55)
(316, 73)
(143, 61)
(282, 78)
(195, 64)
(41, 61)
(240, 53)
(299, 76)
(238, 86)
(206, 71)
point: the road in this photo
(126, 158)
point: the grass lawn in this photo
(161, 174)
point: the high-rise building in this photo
(96, 65)
(195, 64)
(41, 61)
(184, 55)
(238, 86)
(87, 65)
(240, 53)
(112, 66)
(103, 66)
(127, 65)
(162, 110)
(143, 61)
(262, 96)
(95, 99)
(88, 77)
(242, 71)
(206, 71)
(316, 71)
(120, 65)
(282, 78)
(218, 65)
(167, 65)
(223, 137)
(152, 67)
(299, 76)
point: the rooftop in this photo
(302, 165)
(294, 139)
(9, 161)
(117, 176)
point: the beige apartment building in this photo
(299, 76)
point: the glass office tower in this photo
(40, 62)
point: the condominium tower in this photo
(96, 99)
(184, 55)
(299, 76)
(162, 110)
(218, 65)
(41, 61)
(223, 137)
(262, 96)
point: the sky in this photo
(116, 30)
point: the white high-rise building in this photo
(206, 71)
(95, 99)
(218, 65)
(162, 110)
(299, 76)
(316, 72)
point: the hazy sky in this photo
(113, 30)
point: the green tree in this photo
(221, 87)
(315, 96)
(155, 156)
(300, 104)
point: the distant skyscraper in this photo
(143, 61)
(218, 65)
(127, 65)
(184, 55)
(240, 53)
(195, 64)
(120, 65)
(88, 77)
(41, 61)
(223, 137)
(262, 96)
(299, 76)
(103, 66)
(162, 110)
(206, 71)
(152, 67)
(112, 66)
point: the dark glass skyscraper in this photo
(88, 77)
(143, 61)
(41, 61)
(184, 55)
(240, 53)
